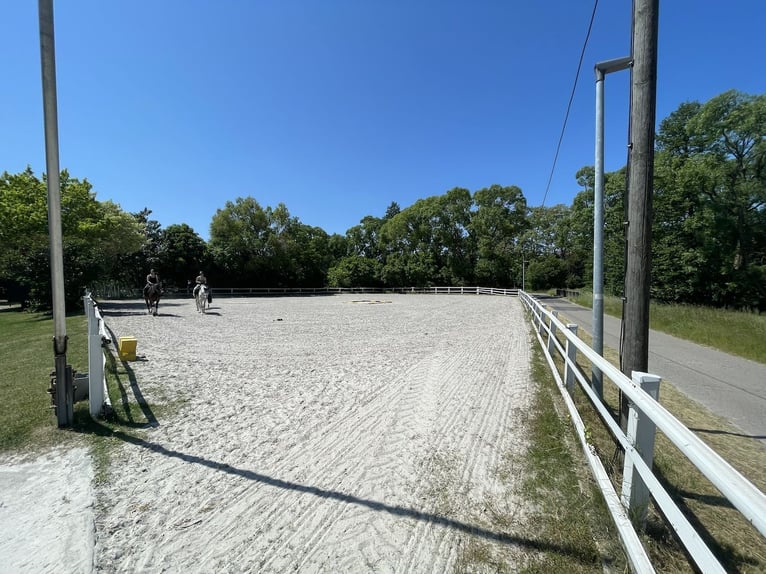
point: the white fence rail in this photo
(638, 474)
(275, 291)
(119, 291)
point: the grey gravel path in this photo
(729, 386)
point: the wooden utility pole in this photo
(643, 104)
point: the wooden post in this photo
(635, 351)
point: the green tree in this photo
(710, 198)
(578, 227)
(428, 243)
(497, 226)
(257, 247)
(364, 240)
(549, 236)
(128, 270)
(94, 234)
(545, 272)
(182, 254)
(355, 271)
(309, 255)
(239, 242)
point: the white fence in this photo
(275, 291)
(638, 479)
(98, 397)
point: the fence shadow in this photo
(135, 390)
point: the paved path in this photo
(729, 386)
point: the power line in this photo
(569, 106)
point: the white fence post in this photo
(95, 361)
(569, 376)
(552, 332)
(541, 326)
(641, 433)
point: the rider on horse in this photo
(152, 279)
(200, 280)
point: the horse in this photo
(201, 298)
(152, 295)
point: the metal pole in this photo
(598, 237)
(48, 65)
(602, 68)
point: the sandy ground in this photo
(47, 513)
(318, 434)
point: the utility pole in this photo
(635, 351)
(62, 389)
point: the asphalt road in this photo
(731, 387)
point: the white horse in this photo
(201, 298)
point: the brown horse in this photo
(152, 294)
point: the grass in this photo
(28, 425)
(26, 339)
(734, 332)
(570, 511)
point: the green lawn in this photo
(26, 364)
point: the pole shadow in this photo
(579, 554)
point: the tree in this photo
(710, 198)
(546, 272)
(496, 228)
(355, 271)
(259, 247)
(363, 239)
(308, 253)
(392, 210)
(551, 235)
(428, 243)
(94, 234)
(182, 255)
(578, 227)
(128, 270)
(239, 235)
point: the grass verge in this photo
(734, 332)
(571, 512)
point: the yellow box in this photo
(126, 347)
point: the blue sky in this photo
(336, 108)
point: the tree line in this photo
(708, 228)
